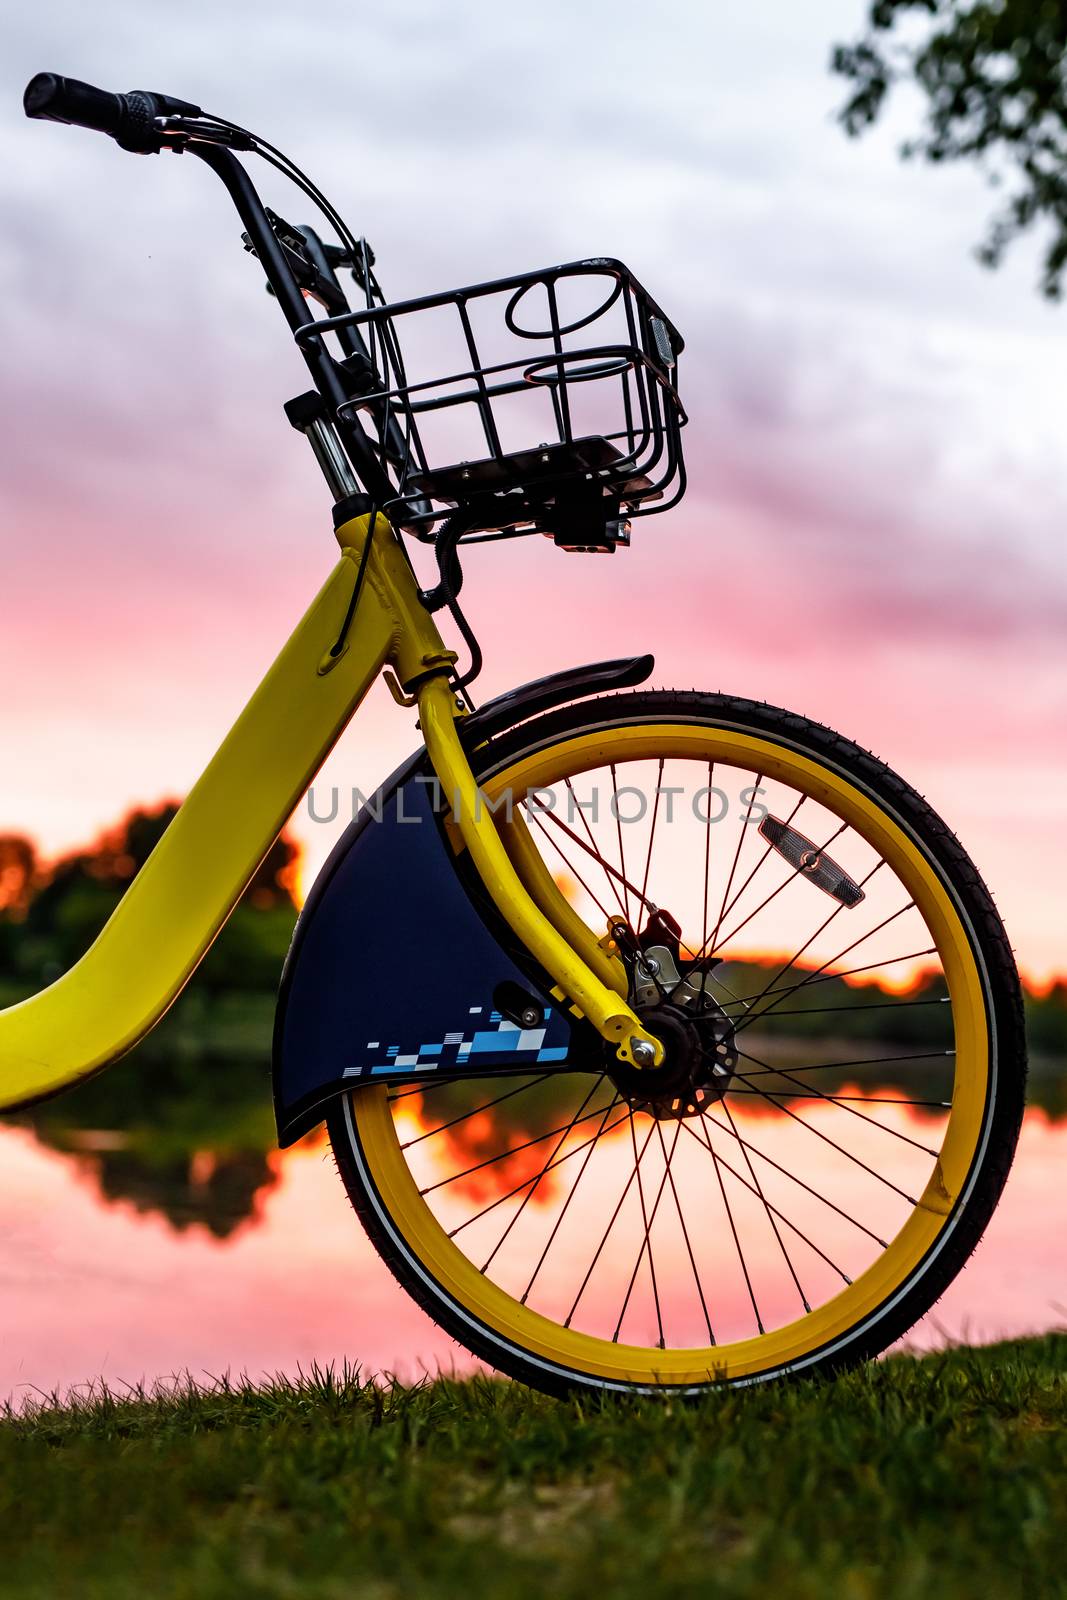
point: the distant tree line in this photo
(188, 1112)
(51, 912)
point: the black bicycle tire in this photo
(1004, 1110)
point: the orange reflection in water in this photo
(96, 1289)
(479, 1139)
(736, 1240)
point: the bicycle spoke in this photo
(607, 1230)
(769, 1210)
(791, 1225)
(519, 1187)
(504, 1155)
(834, 977)
(612, 872)
(860, 1099)
(427, 1088)
(571, 868)
(532, 1190)
(796, 873)
(652, 830)
(721, 985)
(486, 1106)
(730, 1220)
(817, 1093)
(828, 1066)
(825, 1137)
(710, 945)
(819, 1011)
(622, 853)
(591, 1143)
(823, 925)
(591, 847)
(707, 861)
(754, 1016)
(646, 1243)
(831, 978)
(685, 1230)
(815, 1193)
(769, 850)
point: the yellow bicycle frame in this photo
(187, 888)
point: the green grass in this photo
(945, 1475)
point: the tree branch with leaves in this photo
(994, 75)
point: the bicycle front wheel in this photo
(846, 1081)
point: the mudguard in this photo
(397, 958)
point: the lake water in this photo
(113, 1276)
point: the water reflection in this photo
(183, 1126)
(151, 1227)
(219, 1191)
(95, 1288)
(184, 1136)
(735, 1221)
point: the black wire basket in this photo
(559, 412)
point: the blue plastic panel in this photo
(393, 970)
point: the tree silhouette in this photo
(994, 74)
(18, 873)
(120, 852)
(50, 916)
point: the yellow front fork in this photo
(589, 994)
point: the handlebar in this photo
(146, 123)
(130, 118)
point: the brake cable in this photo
(443, 595)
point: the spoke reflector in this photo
(811, 862)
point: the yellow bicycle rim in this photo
(571, 1351)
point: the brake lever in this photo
(178, 131)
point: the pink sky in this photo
(874, 533)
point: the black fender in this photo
(398, 960)
(573, 683)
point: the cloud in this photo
(874, 529)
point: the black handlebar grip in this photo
(69, 100)
(129, 118)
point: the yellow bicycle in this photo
(663, 1039)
